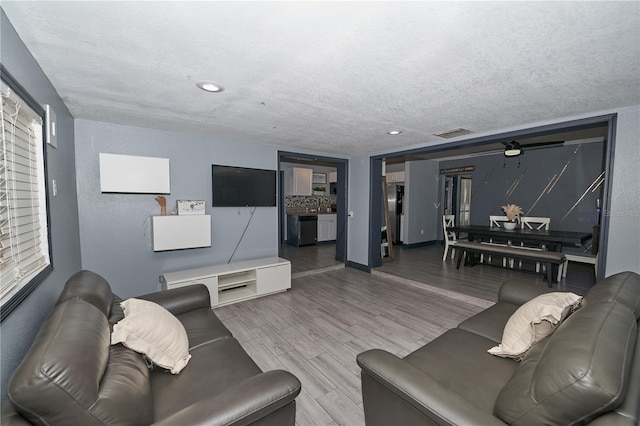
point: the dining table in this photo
(553, 239)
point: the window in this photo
(24, 237)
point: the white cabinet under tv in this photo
(234, 282)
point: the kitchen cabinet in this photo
(327, 227)
(300, 181)
(333, 177)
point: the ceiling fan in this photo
(513, 148)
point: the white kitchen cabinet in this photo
(234, 282)
(333, 177)
(300, 181)
(327, 225)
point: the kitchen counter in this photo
(303, 212)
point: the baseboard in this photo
(358, 266)
(422, 244)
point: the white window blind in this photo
(24, 250)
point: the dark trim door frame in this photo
(375, 189)
(342, 169)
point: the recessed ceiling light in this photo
(210, 86)
(394, 132)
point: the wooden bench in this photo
(549, 258)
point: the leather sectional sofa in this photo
(72, 375)
(587, 371)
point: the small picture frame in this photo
(319, 178)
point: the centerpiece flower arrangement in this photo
(513, 213)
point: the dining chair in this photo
(536, 223)
(497, 222)
(449, 236)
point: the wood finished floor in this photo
(316, 329)
(424, 266)
(310, 258)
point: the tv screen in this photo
(240, 187)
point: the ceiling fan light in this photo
(512, 152)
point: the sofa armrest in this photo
(182, 299)
(519, 293)
(421, 391)
(244, 403)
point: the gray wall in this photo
(18, 329)
(358, 238)
(421, 192)
(624, 216)
(527, 181)
(115, 231)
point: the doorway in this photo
(457, 198)
(324, 197)
(604, 125)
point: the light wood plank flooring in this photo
(316, 329)
(310, 259)
(424, 266)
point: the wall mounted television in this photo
(242, 187)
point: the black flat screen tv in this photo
(242, 187)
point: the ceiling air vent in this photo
(448, 134)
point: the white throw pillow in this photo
(534, 321)
(150, 329)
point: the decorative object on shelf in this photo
(319, 178)
(319, 190)
(163, 204)
(188, 207)
(513, 213)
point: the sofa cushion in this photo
(90, 287)
(459, 361)
(623, 288)
(575, 374)
(214, 367)
(534, 321)
(203, 326)
(490, 322)
(71, 375)
(150, 329)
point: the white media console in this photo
(238, 281)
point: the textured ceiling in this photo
(334, 77)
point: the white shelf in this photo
(237, 294)
(236, 279)
(235, 282)
(177, 232)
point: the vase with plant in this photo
(319, 190)
(513, 213)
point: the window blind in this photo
(24, 250)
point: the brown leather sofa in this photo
(71, 375)
(587, 371)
